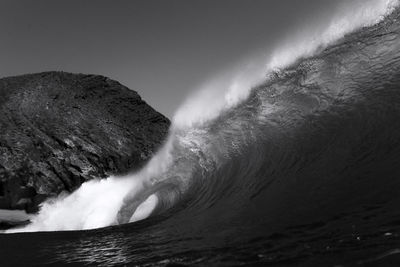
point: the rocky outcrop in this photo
(59, 130)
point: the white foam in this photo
(95, 204)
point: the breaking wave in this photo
(223, 140)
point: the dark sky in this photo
(163, 49)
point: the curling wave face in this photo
(258, 151)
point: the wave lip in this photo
(349, 18)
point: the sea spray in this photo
(348, 18)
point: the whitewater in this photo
(211, 130)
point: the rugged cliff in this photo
(60, 129)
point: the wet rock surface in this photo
(59, 130)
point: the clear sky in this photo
(163, 49)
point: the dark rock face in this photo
(59, 130)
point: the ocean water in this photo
(301, 167)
